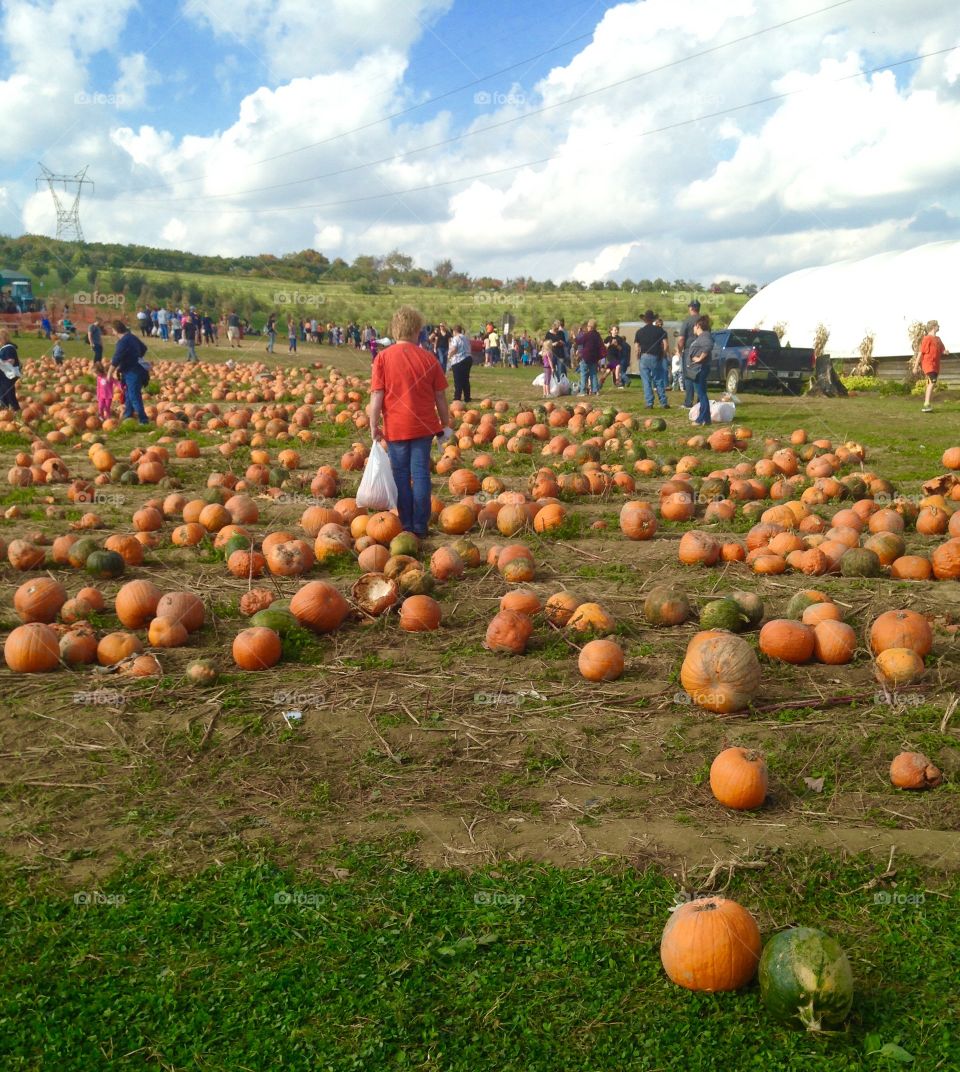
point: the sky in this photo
(682, 139)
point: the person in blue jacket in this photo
(127, 361)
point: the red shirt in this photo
(931, 350)
(409, 378)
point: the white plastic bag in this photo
(563, 385)
(538, 382)
(722, 412)
(378, 489)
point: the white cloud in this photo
(837, 168)
(136, 77)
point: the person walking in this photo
(698, 360)
(684, 342)
(105, 384)
(460, 360)
(189, 328)
(271, 332)
(163, 322)
(143, 320)
(546, 357)
(444, 335)
(95, 338)
(651, 344)
(591, 353)
(127, 360)
(931, 353)
(491, 348)
(618, 357)
(10, 371)
(408, 394)
(291, 336)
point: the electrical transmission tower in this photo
(68, 216)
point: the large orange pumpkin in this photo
(560, 606)
(945, 559)
(710, 944)
(115, 647)
(738, 778)
(184, 607)
(834, 642)
(720, 671)
(257, 648)
(901, 629)
(509, 631)
(32, 648)
(897, 667)
(601, 660)
(419, 614)
(39, 600)
(319, 606)
(136, 603)
(638, 521)
(591, 618)
(787, 640)
(913, 770)
(698, 549)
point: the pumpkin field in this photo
(652, 729)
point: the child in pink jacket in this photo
(105, 385)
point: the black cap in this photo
(650, 316)
(695, 305)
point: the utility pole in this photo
(68, 216)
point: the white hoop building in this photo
(880, 295)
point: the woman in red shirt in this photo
(408, 392)
(931, 351)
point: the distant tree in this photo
(65, 273)
(611, 284)
(443, 269)
(597, 284)
(92, 276)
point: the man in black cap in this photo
(684, 342)
(651, 348)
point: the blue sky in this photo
(185, 109)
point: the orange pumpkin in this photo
(720, 671)
(382, 527)
(560, 607)
(834, 642)
(738, 778)
(39, 600)
(136, 603)
(911, 568)
(698, 549)
(257, 648)
(184, 607)
(509, 631)
(591, 618)
(456, 520)
(899, 666)
(166, 633)
(601, 660)
(945, 559)
(710, 944)
(913, 770)
(638, 521)
(319, 607)
(78, 647)
(115, 647)
(32, 648)
(787, 640)
(419, 614)
(522, 602)
(901, 629)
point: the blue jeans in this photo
(164, 332)
(662, 378)
(625, 370)
(191, 352)
(410, 461)
(272, 338)
(442, 358)
(588, 375)
(133, 382)
(650, 375)
(700, 385)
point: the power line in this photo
(385, 119)
(555, 156)
(481, 130)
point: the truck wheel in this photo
(732, 382)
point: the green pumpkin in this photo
(657, 424)
(638, 453)
(725, 613)
(805, 978)
(80, 551)
(416, 582)
(213, 496)
(405, 543)
(118, 470)
(751, 605)
(129, 477)
(237, 542)
(859, 562)
(104, 564)
(279, 619)
(586, 452)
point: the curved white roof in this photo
(881, 294)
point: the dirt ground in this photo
(483, 757)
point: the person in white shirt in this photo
(492, 349)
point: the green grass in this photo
(371, 963)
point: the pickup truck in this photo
(756, 357)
